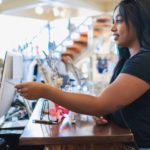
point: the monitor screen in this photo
(12, 74)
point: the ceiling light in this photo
(1, 1)
(39, 10)
(62, 14)
(56, 11)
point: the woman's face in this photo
(123, 35)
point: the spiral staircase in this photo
(99, 27)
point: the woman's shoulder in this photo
(138, 65)
(142, 57)
(144, 52)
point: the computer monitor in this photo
(12, 74)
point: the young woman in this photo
(127, 98)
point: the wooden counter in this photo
(84, 135)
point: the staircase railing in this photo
(72, 31)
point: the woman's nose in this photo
(113, 28)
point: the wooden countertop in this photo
(66, 132)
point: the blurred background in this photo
(72, 36)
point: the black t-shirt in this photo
(136, 116)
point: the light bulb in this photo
(1, 1)
(39, 10)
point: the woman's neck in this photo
(134, 49)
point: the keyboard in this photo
(19, 124)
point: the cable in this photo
(74, 69)
(45, 106)
(29, 110)
(42, 111)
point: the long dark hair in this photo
(138, 13)
(123, 54)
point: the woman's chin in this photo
(120, 44)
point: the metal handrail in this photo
(68, 36)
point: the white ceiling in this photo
(70, 8)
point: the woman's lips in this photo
(116, 36)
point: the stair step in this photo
(83, 43)
(64, 59)
(104, 19)
(98, 26)
(84, 34)
(68, 53)
(74, 48)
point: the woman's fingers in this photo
(19, 86)
(101, 120)
(30, 90)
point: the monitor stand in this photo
(28, 107)
(2, 120)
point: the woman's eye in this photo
(119, 21)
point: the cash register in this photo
(11, 74)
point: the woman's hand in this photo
(30, 90)
(100, 120)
